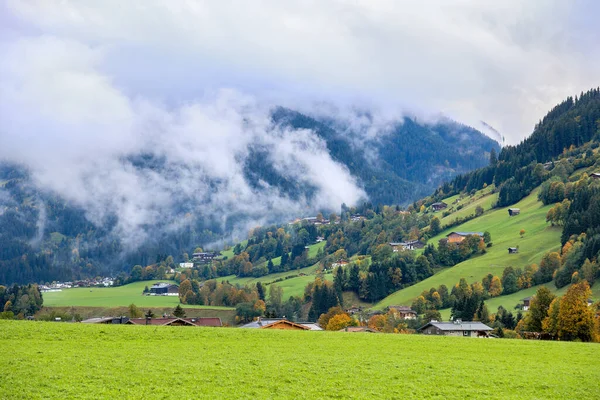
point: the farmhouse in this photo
(405, 312)
(456, 328)
(457, 237)
(173, 321)
(281, 323)
(595, 175)
(186, 265)
(526, 303)
(164, 289)
(514, 211)
(204, 257)
(513, 250)
(439, 206)
(339, 263)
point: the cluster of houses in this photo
(59, 286)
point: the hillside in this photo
(41, 359)
(47, 236)
(539, 239)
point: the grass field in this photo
(59, 360)
(539, 238)
(120, 296)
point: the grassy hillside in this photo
(48, 360)
(539, 238)
(463, 206)
(120, 296)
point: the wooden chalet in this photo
(595, 175)
(513, 250)
(405, 312)
(526, 303)
(164, 289)
(281, 323)
(410, 245)
(457, 237)
(514, 211)
(439, 206)
(456, 328)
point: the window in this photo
(466, 333)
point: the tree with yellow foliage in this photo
(575, 318)
(495, 287)
(340, 321)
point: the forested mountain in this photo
(43, 237)
(405, 161)
(518, 168)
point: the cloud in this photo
(506, 64)
(83, 138)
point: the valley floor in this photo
(60, 360)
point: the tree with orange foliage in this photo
(332, 312)
(377, 322)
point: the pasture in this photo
(539, 238)
(120, 296)
(60, 360)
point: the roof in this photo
(512, 248)
(458, 326)
(97, 320)
(358, 329)
(170, 320)
(439, 203)
(285, 322)
(262, 322)
(403, 309)
(527, 298)
(160, 285)
(466, 233)
(514, 209)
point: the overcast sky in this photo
(85, 83)
(503, 62)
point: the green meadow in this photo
(120, 296)
(539, 238)
(41, 360)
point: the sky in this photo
(85, 83)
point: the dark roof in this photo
(262, 322)
(209, 321)
(439, 203)
(458, 326)
(402, 309)
(527, 298)
(466, 233)
(514, 209)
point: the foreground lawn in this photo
(59, 360)
(120, 296)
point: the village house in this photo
(339, 263)
(456, 328)
(439, 206)
(457, 237)
(353, 310)
(320, 239)
(405, 312)
(186, 265)
(410, 245)
(281, 323)
(164, 289)
(514, 211)
(513, 250)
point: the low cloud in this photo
(84, 139)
